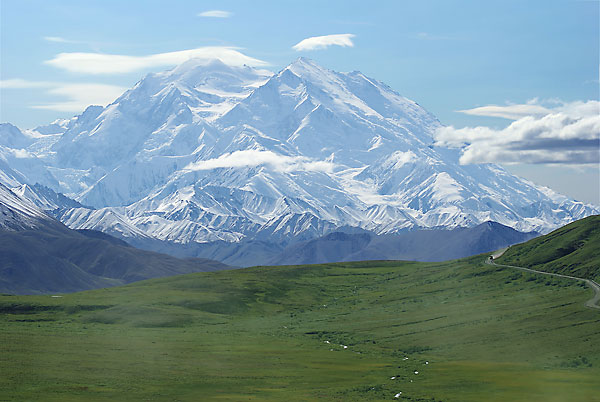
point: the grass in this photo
(573, 250)
(276, 333)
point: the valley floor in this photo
(454, 331)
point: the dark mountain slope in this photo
(29, 264)
(34, 261)
(40, 255)
(420, 245)
(352, 244)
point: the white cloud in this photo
(18, 83)
(511, 112)
(58, 39)
(76, 96)
(402, 158)
(252, 157)
(81, 96)
(21, 153)
(567, 134)
(215, 14)
(323, 42)
(98, 63)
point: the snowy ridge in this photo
(17, 213)
(44, 197)
(208, 152)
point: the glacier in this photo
(209, 152)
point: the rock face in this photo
(209, 152)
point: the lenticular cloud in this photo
(98, 63)
(323, 42)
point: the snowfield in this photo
(209, 152)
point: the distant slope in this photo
(241, 254)
(34, 261)
(40, 255)
(45, 198)
(420, 245)
(571, 250)
(351, 244)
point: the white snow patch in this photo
(377, 142)
(400, 158)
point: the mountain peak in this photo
(305, 67)
(12, 137)
(213, 77)
(305, 61)
(199, 63)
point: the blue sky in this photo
(449, 56)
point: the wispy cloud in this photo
(81, 96)
(99, 63)
(511, 112)
(75, 97)
(215, 14)
(430, 36)
(58, 39)
(18, 83)
(252, 157)
(568, 133)
(323, 42)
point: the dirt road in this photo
(594, 302)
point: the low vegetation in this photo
(572, 250)
(454, 331)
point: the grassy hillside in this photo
(571, 250)
(473, 332)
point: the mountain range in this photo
(41, 255)
(208, 153)
(417, 245)
(38, 254)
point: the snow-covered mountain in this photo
(17, 213)
(208, 152)
(38, 254)
(45, 198)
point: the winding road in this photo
(594, 302)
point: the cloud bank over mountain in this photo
(565, 134)
(100, 63)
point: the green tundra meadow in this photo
(453, 331)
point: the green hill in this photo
(572, 250)
(453, 331)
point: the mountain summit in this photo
(208, 152)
